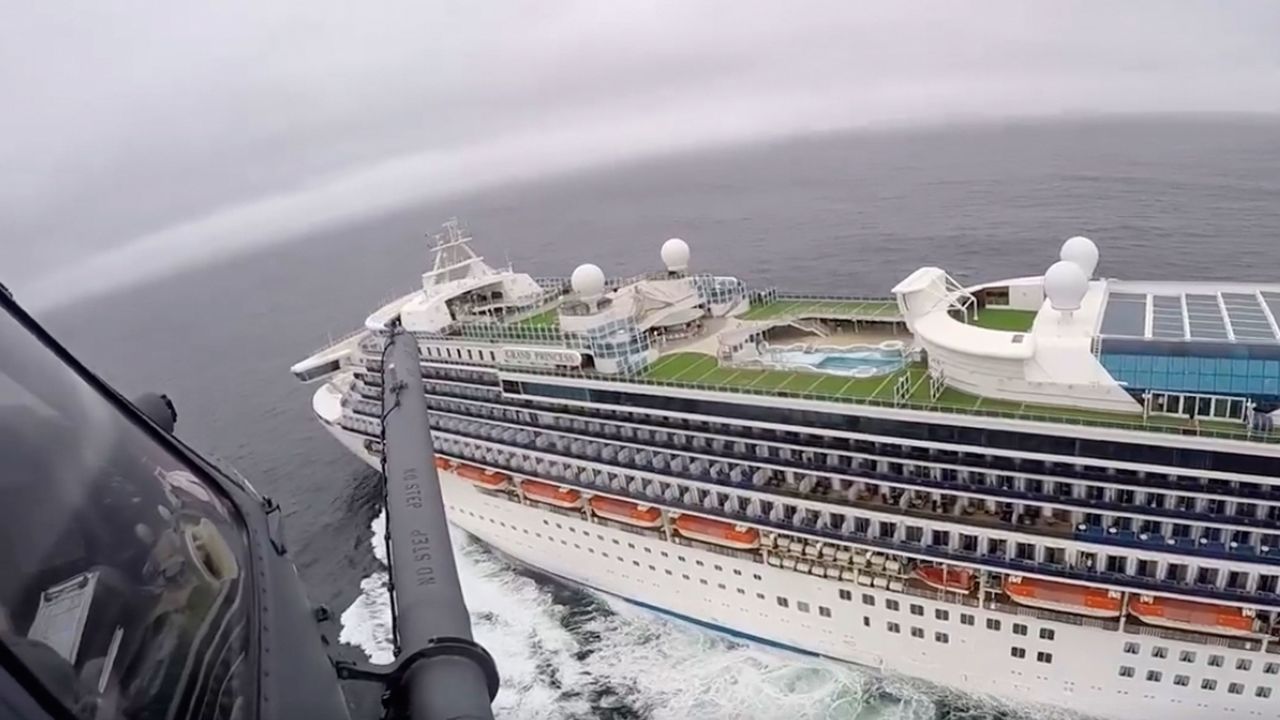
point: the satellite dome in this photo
(588, 281)
(1081, 251)
(1065, 285)
(675, 255)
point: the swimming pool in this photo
(854, 361)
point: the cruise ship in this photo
(1056, 490)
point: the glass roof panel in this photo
(1125, 315)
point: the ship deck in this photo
(853, 309)
(703, 371)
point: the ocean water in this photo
(841, 213)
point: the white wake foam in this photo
(561, 662)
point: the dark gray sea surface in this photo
(1195, 198)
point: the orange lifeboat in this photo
(443, 463)
(716, 532)
(941, 577)
(626, 512)
(1063, 597)
(551, 494)
(1194, 616)
(481, 477)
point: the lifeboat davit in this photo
(716, 532)
(941, 577)
(1194, 616)
(481, 477)
(549, 494)
(1063, 597)
(626, 512)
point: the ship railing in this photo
(995, 562)
(645, 532)
(1134, 628)
(1138, 425)
(894, 454)
(785, 295)
(557, 510)
(941, 596)
(718, 550)
(1054, 615)
(1060, 529)
(334, 342)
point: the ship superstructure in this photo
(1053, 489)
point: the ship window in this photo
(1044, 657)
(1209, 684)
(941, 614)
(736, 571)
(686, 577)
(755, 576)
(1019, 629)
(941, 637)
(663, 553)
(866, 621)
(1181, 680)
(1046, 633)
(631, 546)
(1215, 661)
(1126, 671)
(1271, 668)
(678, 557)
(1187, 656)
(648, 551)
(1159, 651)
(667, 571)
(718, 568)
(802, 606)
(1153, 676)
(993, 624)
(702, 581)
(1017, 652)
(917, 609)
(759, 596)
(824, 611)
(698, 563)
(742, 591)
(1244, 664)
(1235, 688)
(966, 619)
(1263, 692)
(720, 586)
(1131, 648)
(868, 600)
(893, 627)
(917, 632)
(845, 595)
(653, 569)
(891, 605)
(782, 602)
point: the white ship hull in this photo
(1080, 671)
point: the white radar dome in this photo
(588, 281)
(675, 255)
(1081, 251)
(1065, 285)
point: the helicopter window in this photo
(123, 578)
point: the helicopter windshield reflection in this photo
(123, 583)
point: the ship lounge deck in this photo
(704, 372)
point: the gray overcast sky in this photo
(140, 135)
